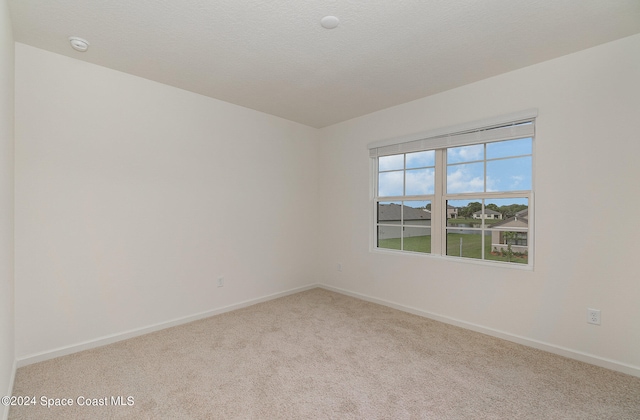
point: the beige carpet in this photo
(319, 354)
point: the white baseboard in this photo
(5, 414)
(551, 348)
(86, 345)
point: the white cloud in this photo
(465, 153)
(420, 182)
(516, 181)
(387, 163)
(462, 181)
(390, 184)
(492, 184)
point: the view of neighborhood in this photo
(505, 229)
(494, 225)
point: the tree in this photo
(509, 237)
(511, 210)
(469, 209)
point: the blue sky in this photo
(420, 174)
(508, 168)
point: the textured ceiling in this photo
(273, 55)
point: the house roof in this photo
(521, 219)
(487, 211)
(392, 212)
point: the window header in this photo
(492, 129)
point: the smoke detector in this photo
(79, 44)
(329, 22)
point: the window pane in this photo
(390, 183)
(389, 237)
(464, 243)
(417, 239)
(508, 246)
(509, 207)
(421, 159)
(509, 174)
(390, 163)
(508, 148)
(465, 153)
(416, 213)
(509, 236)
(488, 215)
(465, 178)
(453, 212)
(460, 213)
(389, 213)
(420, 181)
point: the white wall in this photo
(6, 204)
(587, 171)
(132, 197)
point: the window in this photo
(405, 224)
(466, 194)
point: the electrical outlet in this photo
(339, 267)
(220, 281)
(593, 316)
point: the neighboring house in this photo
(519, 243)
(488, 214)
(452, 212)
(391, 214)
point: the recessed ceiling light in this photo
(79, 44)
(329, 22)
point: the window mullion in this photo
(484, 167)
(438, 206)
(402, 218)
(483, 223)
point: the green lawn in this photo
(471, 246)
(459, 221)
(414, 244)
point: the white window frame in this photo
(506, 127)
